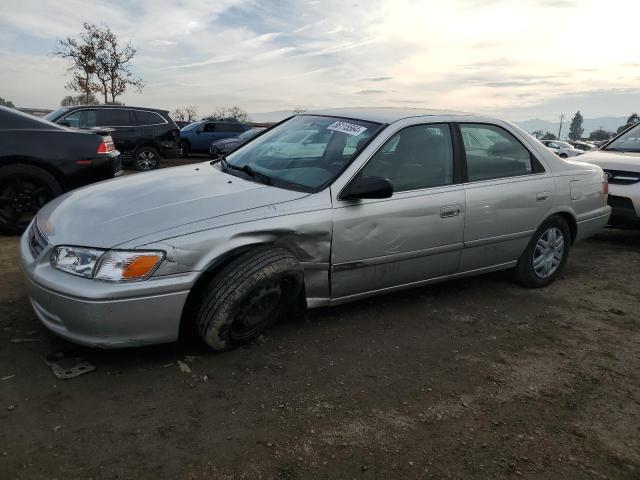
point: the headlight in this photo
(107, 265)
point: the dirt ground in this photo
(472, 379)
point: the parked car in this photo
(580, 145)
(197, 137)
(182, 123)
(229, 247)
(142, 135)
(562, 149)
(222, 147)
(40, 160)
(620, 159)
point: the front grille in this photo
(37, 240)
(620, 177)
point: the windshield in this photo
(306, 152)
(627, 142)
(191, 126)
(52, 116)
(564, 144)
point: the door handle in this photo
(450, 211)
(542, 196)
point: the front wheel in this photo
(247, 296)
(546, 255)
(24, 189)
(563, 155)
(145, 159)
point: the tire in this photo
(247, 296)
(186, 149)
(145, 159)
(539, 265)
(24, 189)
(563, 155)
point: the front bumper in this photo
(99, 314)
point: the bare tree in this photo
(82, 53)
(230, 113)
(185, 114)
(298, 110)
(113, 66)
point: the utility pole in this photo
(560, 129)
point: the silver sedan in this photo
(324, 208)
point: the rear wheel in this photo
(24, 189)
(146, 158)
(546, 255)
(247, 296)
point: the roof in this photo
(382, 114)
(129, 107)
(12, 119)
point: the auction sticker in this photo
(348, 128)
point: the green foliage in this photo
(6, 103)
(576, 130)
(549, 136)
(632, 120)
(600, 134)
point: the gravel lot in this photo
(475, 378)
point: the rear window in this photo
(147, 118)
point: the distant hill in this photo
(610, 124)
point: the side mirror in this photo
(367, 187)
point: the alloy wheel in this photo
(146, 160)
(549, 252)
(21, 196)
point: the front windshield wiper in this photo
(261, 177)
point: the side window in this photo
(417, 157)
(147, 118)
(82, 119)
(114, 117)
(228, 127)
(492, 152)
(209, 127)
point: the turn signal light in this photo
(605, 187)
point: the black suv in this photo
(142, 135)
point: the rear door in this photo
(508, 194)
(416, 235)
(126, 134)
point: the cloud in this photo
(369, 92)
(376, 79)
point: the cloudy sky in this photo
(517, 59)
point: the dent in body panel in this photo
(307, 234)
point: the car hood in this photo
(107, 214)
(608, 160)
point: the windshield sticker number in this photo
(348, 128)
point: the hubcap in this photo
(256, 311)
(548, 253)
(147, 160)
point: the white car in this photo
(620, 159)
(562, 149)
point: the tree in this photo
(576, 130)
(230, 113)
(600, 134)
(82, 52)
(6, 103)
(75, 100)
(549, 136)
(537, 134)
(185, 114)
(113, 66)
(632, 120)
(98, 63)
(299, 110)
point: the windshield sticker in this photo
(348, 128)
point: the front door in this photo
(508, 194)
(413, 236)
